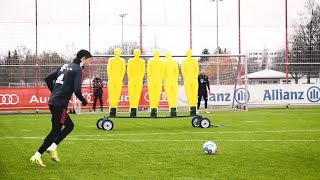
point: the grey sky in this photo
(63, 24)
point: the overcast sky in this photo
(63, 24)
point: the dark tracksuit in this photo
(97, 92)
(62, 83)
(203, 82)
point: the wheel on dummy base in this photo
(107, 125)
(99, 123)
(196, 121)
(205, 123)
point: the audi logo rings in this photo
(88, 97)
(163, 97)
(9, 99)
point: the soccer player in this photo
(203, 82)
(62, 83)
(97, 92)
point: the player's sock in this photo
(53, 147)
(37, 155)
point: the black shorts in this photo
(98, 93)
(204, 95)
(59, 114)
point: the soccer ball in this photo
(209, 147)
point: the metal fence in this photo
(303, 65)
(25, 73)
(302, 69)
(267, 69)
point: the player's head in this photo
(156, 54)
(203, 71)
(168, 55)
(136, 53)
(83, 56)
(189, 53)
(117, 52)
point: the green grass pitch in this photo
(259, 144)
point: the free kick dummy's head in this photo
(156, 54)
(137, 53)
(189, 53)
(117, 52)
(168, 55)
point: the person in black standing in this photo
(62, 83)
(97, 92)
(203, 82)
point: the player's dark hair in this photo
(83, 53)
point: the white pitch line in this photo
(177, 133)
(195, 140)
(177, 140)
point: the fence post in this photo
(218, 72)
(246, 82)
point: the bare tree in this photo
(127, 48)
(305, 49)
(205, 51)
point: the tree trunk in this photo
(296, 80)
(308, 78)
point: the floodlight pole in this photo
(37, 72)
(287, 56)
(122, 16)
(89, 26)
(141, 48)
(37, 60)
(240, 68)
(217, 24)
(190, 24)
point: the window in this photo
(274, 82)
(263, 82)
(285, 82)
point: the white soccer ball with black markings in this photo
(209, 147)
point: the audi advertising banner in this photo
(32, 98)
